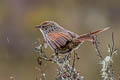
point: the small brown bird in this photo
(62, 40)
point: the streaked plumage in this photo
(62, 40)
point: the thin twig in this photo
(113, 43)
(97, 47)
(74, 59)
(112, 49)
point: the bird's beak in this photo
(37, 26)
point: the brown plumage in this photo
(62, 40)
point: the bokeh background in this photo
(17, 34)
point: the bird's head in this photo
(48, 26)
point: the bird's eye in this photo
(51, 29)
(45, 28)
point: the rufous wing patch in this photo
(59, 39)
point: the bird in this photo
(61, 40)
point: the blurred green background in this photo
(17, 34)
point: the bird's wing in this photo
(58, 40)
(72, 34)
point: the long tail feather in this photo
(89, 36)
(99, 31)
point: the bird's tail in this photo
(89, 36)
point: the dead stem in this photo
(96, 44)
